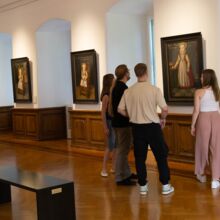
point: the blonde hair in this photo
(183, 43)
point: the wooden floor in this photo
(98, 198)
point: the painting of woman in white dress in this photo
(84, 82)
(183, 64)
(21, 80)
(182, 61)
(84, 76)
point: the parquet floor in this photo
(99, 198)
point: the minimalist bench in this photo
(55, 197)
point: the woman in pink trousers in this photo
(206, 128)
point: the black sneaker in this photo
(126, 182)
(133, 176)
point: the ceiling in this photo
(123, 6)
(6, 5)
(138, 7)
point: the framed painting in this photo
(182, 61)
(84, 76)
(21, 80)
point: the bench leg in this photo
(56, 203)
(5, 193)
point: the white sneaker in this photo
(215, 184)
(167, 189)
(143, 189)
(201, 178)
(104, 174)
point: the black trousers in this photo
(150, 134)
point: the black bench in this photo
(55, 197)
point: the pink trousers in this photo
(207, 147)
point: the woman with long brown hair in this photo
(206, 127)
(108, 80)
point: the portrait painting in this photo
(21, 80)
(182, 61)
(84, 76)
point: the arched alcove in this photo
(128, 34)
(53, 42)
(6, 90)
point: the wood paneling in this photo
(168, 134)
(87, 129)
(87, 132)
(178, 137)
(40, 124)
(5, 118)
(79, 129)
(31, 124)
(19, 124)
(96, 133)
(52, 123)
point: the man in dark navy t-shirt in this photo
(122, 128)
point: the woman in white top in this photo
(206, 128)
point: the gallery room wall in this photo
(183, 18)
(53, 40)
(87, 30)
(23, 45)
(127, 25)
(127, 41)
(6, 94)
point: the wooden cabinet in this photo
(6, 118)
(87, 132)
(178, 137)
(87, 129)
(79, 129)
(40, 124)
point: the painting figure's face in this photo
(182, 48)
(83, 66)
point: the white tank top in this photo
(208, 103)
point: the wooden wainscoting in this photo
(87, 129)
(178, 137)
(6, 118)
(87, 132)
(39, 124)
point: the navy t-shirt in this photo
(118, 120)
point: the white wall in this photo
(54, 67)
(87, 29)
(23, 45)
(175, 17)
(127, 41)
(6, 90)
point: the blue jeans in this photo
(111, 137)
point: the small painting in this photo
(21, 80)
(84, 76)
